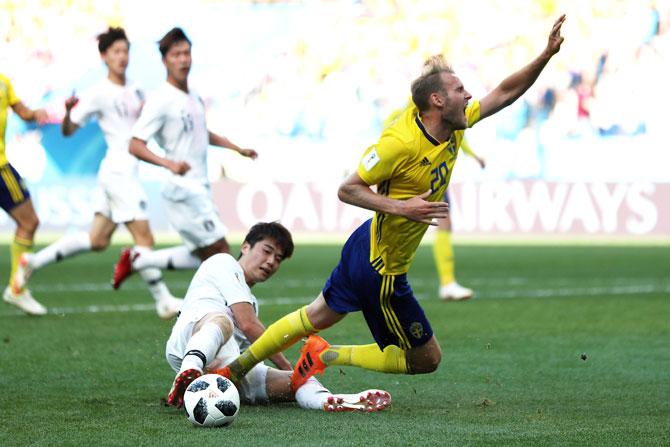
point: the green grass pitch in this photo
(93, 372)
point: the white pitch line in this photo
(534, 293)
(317, 284)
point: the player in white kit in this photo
(219, 319)
(174, 116)
(116, 102)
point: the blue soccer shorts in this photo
(13, 191)
(391, 311)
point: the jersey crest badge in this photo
(416, 329)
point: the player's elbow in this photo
(344, 193)
(135, 146)
(248, 327)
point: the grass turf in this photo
(93, 371)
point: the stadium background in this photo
(308, 84)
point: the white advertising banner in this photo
(500, 208)
(514, 208)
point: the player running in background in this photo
(443, 250)
(15, 200)
(174, 116)
(219, 319)
(411, 166)
(116, 103)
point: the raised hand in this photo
(71, 102)
(555, 38)
(420, 210)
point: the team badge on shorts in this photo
(416, 329)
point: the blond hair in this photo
(430, 81)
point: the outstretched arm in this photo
(27, 114)
(252, 328)
(516, 84)
(221, 141)
(355, 191)
(139, 149)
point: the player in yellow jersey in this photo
(443, 251)
(15, 199)
(410, 165)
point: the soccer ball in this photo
(211, 401)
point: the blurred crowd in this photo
(322, 75)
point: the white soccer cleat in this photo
(24, 301)
(22, 274)
(365, 401)
(455, 292)
(168, 307)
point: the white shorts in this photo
(193, 214)
(252, 388)
(121, 198)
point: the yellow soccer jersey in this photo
(407, 162)
(7, 99)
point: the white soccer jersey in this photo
(218, 283)
(176, 120)
(116, 107)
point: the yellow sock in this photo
(18, 247)
(390, 360)
(444, 256)
(277, 337)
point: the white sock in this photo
(154, 280)
(173, 258)
(64, 247)
(312, 395)
(202, 347)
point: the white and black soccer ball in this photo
(211, 401)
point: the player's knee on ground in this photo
(424, 361)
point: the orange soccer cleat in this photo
(225, 372)
(310, 362)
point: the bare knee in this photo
(427, 364)
(424, 359)
(99, 243)
(28, 225)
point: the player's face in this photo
(261, 261)
(177, 61)
(456, 99)
(116, 57)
